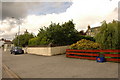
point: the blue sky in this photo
(49, 8)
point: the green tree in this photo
(58, 34)
(23, 39)
(109, 35)
(33, 41)
(64, 34)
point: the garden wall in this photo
(46, 51)
(110, 55)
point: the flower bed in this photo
(84, 44)
(86, 49)
(110, 55)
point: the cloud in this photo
(17, 9)
(83, 13)
(22, 9)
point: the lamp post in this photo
(18, 31)
(18, 35)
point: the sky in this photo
(34, 15)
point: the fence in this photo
(110, 55)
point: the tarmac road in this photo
(33, 66)
(6, 72)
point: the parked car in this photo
(16, 50)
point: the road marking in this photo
(10, 73)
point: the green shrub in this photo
(85, 44)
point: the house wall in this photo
(92, 31)
(7, 47)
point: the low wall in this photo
(46, 51)
(58, 50)
(114, 56)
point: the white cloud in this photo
(83, 13)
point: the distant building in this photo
(6, 44)
(92, 31)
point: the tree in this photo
(23, 39)
(33, 41)
(64, 34)
(109, 35)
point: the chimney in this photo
(88, 26)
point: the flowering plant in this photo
(85, 44)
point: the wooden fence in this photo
(110, 55)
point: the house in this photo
(6, 44)
(92, 31)
(1, 43)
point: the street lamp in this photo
(18, 31)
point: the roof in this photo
(92, 28)
(7, 41)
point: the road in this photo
(34, 66)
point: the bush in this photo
(85, 44)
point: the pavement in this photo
(0, 63)
(34, 66)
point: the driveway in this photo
(34, 66)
